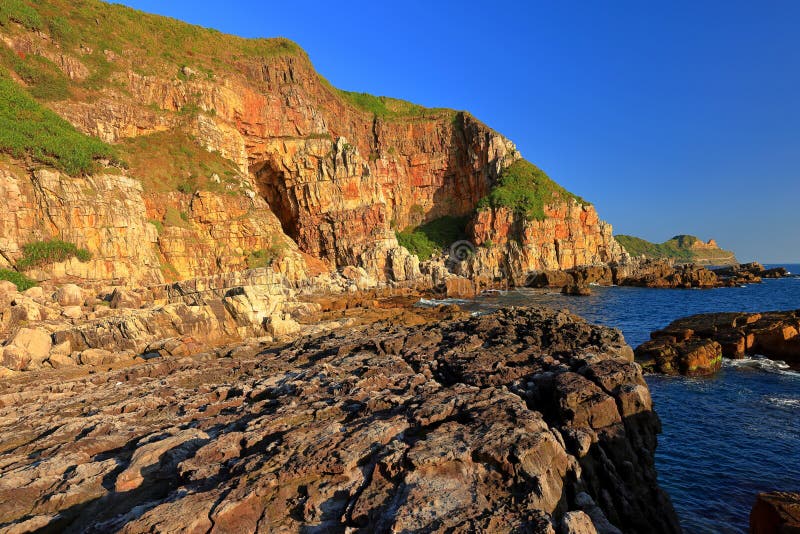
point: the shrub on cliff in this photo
(18, 279)
(267, 256)
(432, 236)
(29, 129)
(40, 253)
(526, 189)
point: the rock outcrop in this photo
(522, 420)
(696, 344)
(776, 512)
(509, 246)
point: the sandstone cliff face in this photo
(120, 224)
(571, 235)
(323, 177)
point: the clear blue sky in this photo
(672, 117)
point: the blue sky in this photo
(672, 117)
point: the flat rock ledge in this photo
(525, 420)
(695, 345)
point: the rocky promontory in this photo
(695, 345)
(523, 420)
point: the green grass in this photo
(18, 279)
(385, 107)
(526, 189)
(175, 217)
(154, 43)
(41, 253)
(266, 257)
(436, 235)
(29, 129)
(21, 12)
(676, 248)
(173, 161)
(43, 78)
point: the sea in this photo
(725, 438)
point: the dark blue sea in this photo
(724, 438)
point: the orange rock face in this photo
(319, 175)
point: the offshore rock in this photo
(736, 334)
(666, 355)
(516, 421)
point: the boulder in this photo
(60, 361)
(36, 293)
(776, 512)
(123, 298)
(693, 357)
(459, 288)
(8, 292)
(35, 344)
(95, 357)
(280, 326)
(576, 522)
(15, 358)
(69, 295)
(577, 290)
(72, 312)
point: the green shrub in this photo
(385, 107)
(28, 128)
(20, 280)
(40, 253)
(266, 257)
(526, 189)
(20, 12)
(61, 30)
(433, 236)
(159, 226)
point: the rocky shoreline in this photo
(527, 419)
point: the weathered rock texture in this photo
(696, 344)
(497, 423)
(776, 512)
(510, 246)
(321, 177)
(168, 320)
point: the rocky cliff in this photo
(310, 178)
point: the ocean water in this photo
(725, 438)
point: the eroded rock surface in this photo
(501, 423)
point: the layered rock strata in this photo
(516, 421)
(509, 246)
(696, 344)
